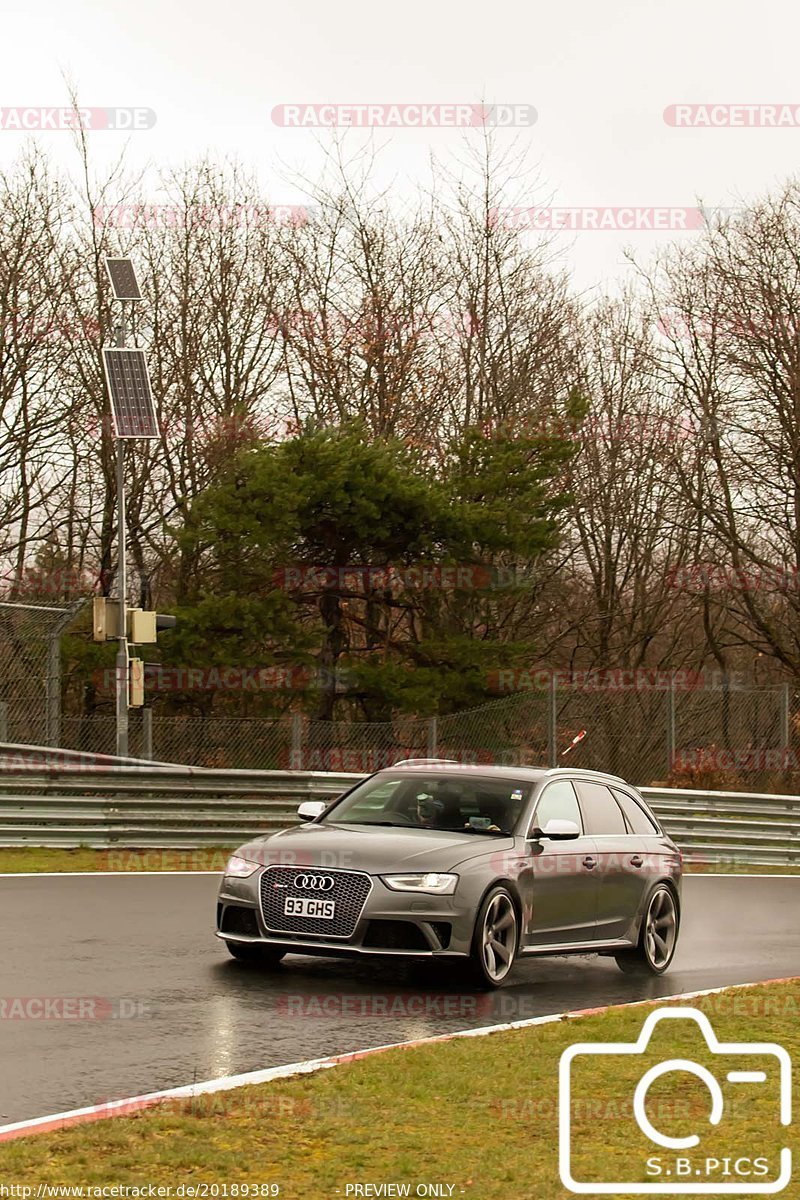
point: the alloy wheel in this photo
(661, 928)
(499, 937)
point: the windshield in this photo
(433, 801)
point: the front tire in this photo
(658, 936)
(265, 956)
(495, 940)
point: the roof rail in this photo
(414, 762)
(589, 771)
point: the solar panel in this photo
(132, 408)
(123, 279)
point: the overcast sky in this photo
(599, 75)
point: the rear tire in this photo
(495, 940)
(265, 956)
(658, 936)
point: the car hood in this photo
(357, 847)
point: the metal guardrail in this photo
(756, 828)
(142, 806)
(102, 805)
(19, 754)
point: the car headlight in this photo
(240, 868)
(437, 885)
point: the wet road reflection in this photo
(115, 986)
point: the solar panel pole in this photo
(122, 585)
(134, 417)
(122, 651)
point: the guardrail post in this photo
(671, 723)
(296, 752)
(147, 733)
(552, 722)
(433, 736)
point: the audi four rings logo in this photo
(314, 883)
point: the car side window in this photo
(638, 819)
(601, 813)
(558, 802)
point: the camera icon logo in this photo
(705, 1159)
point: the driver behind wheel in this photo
(427, 810)
(441, 809)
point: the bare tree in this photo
(731, 308)
(34, 212)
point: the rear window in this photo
(601, 813)
(637, 818)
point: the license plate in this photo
(300, 906)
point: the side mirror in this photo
(309, 810)
(557, 830)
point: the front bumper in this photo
(395, 924)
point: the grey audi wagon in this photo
(476, 864)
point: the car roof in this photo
(532, 774)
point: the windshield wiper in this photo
(385, 824)
(485, 832)
(432, 828)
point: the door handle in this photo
(637, 861)
(590, 863)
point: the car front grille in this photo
(349, 893)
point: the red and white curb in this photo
(121, 1108)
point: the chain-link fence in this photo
(737, 737)
(740, 739)
(260, 743)
(680, 728)
(30, 671)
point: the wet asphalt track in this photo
(172, 1007)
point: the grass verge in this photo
(30, 859)
(479, 1116)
